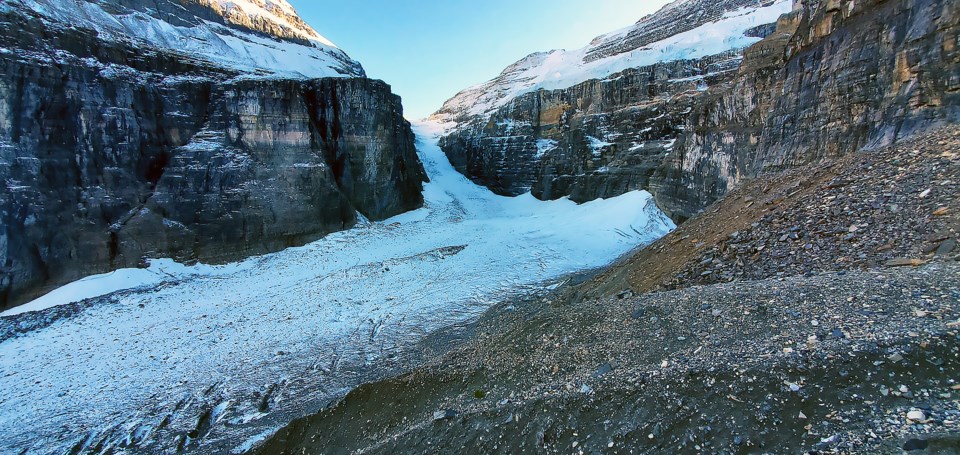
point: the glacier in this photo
(216, 358)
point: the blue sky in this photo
(429, 50)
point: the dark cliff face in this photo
(838, 77)
(111, 153)
(596, 139)
(830, 78)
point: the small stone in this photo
(602, 370)
(925, 193)
(793, 387)
(444, 414)
(916, 416)
(586, 390)
(837, 333)
(716, 312)
(946, 247)
(815, 323)
(664, 364)
(904, 389)
(802, 416)
(904, 262)
(941, 211)
(831, 440)
(915, 444)
(895, 358)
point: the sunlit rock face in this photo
(662, 106)
(837, 77)
(118, 145)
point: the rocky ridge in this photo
(114, 149)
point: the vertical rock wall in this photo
(110, 154)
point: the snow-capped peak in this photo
(275, 17)
(685, 29)
(255, 38)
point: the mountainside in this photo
(595, 122)
(197, 130)
(688, 126)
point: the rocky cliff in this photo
(829, 78)
(839, 76)
(115, 148)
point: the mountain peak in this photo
(259, 38)
(272, 17)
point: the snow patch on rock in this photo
(296, 51)
(560, 69)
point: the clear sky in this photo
(429, 50)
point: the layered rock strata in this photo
(113, 151)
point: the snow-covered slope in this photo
(217, 358)
(254, 37)
(686, 29)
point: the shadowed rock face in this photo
(831, 78)
(111, 153)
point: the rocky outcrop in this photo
(597, 139)
(840, 76)
(830, 78)
(112, 151)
